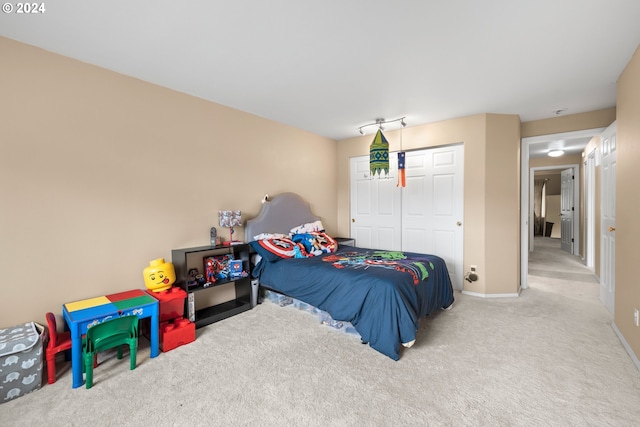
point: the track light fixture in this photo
(380, 122)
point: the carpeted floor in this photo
(547, 358)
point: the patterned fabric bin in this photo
(21, 349)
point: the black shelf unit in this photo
(185, 259)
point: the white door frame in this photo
(608, 218)
(590, 209)
(526, 195)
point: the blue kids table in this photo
(81, 315)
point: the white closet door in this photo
(432, 206)
(425, 216)
(375, 206)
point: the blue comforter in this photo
(381, 293)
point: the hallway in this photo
(548, 260)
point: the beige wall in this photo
(627, 202)
(101, 173)
(569, 123)
(502, 204)
(540, 162)
(491, 195)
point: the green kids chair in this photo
(112, 333)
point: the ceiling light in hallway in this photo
(555, 153)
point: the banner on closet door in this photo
(402, 180)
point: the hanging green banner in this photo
(379, 155)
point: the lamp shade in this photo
(230, 218)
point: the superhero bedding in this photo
(383, 294)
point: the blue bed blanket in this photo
(381, 293)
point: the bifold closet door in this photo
(425, 216)
(432, 206)
(375, 206)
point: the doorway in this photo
(526, 232)
(565, 224)
(554, 201)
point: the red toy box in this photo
(175, 334)
(171, 303)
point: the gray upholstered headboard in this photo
(280, 215)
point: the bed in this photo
(382, 294)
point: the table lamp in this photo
(230, 219)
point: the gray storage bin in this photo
(21, 350)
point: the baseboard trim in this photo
(626, 346)
(478, 294)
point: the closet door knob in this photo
(459, 224)
(612, 229)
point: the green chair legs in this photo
(112, 333)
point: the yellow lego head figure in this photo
(159, 275)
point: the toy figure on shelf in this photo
(211, 269)
(159, 275)
(219, 266)
(195, 278)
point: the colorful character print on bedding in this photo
(316, 243)
(417, 266)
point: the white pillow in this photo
(263, 236)
(306, 228)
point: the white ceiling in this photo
(331, 66)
